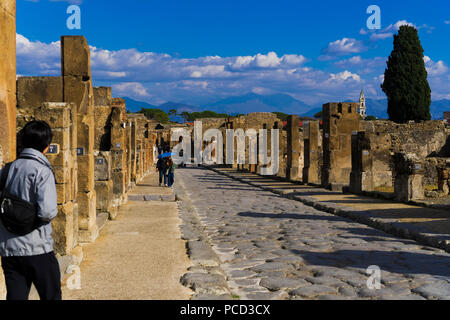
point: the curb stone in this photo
(205, 277)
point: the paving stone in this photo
(313, 290)
(273, 266)
(439, 290)
(241, 274)
(275, 284)
(200, 253)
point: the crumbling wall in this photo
(377, 141)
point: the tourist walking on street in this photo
(171, 169)
(161, 168)
(26, 245)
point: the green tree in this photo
(405, 79)
(280, 115)
(370, 118)
(172, 113)
(156, 114)
(318, 115)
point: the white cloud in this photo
(345, 76)
(388, 32)
(135, 88)
(435, 68)
(342, 47)
(260, 61)
(159, 77)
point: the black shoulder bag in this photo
(17, 215)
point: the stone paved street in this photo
(269, 247)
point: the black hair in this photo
(36, 135)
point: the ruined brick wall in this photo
(340, 120)
(378, 140)
(7, 81)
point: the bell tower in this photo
(362, 105)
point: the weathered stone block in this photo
(87, 215)
(102, 96)
(63, 192)
(103, 166)
(61, 159)
(32, 92)
(104, 192)
(76, 57)
(63, 229)
(62, 174)
(57, 115)
(86, 173)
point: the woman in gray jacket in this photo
(30, 258)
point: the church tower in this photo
(362, 105)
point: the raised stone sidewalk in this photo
(138, 256)
(427, 226)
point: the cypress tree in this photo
(405, 79)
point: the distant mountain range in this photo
(252, 102)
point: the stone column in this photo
(77, 89)
(118, 156)
(293, 148)
(340, 120)
(311, 169)
(7, 81)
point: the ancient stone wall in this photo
(374, 145)
(7, 80)
(340, 120)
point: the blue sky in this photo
(200, 51)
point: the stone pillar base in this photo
(88, 236)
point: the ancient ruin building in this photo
(7, 81)
(373, 167)
(340, 121)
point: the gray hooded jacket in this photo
(32, 181)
